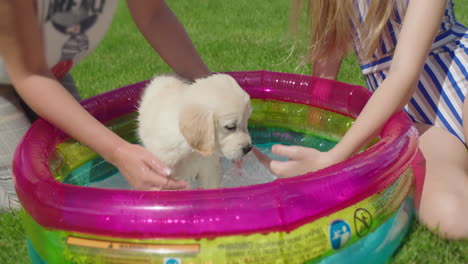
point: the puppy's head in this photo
(214, 117)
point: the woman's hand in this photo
(143, 171)
(301, 160)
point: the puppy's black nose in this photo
(246, 149)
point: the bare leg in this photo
(465, 118)
(444, 201)
(13, 124)
(15, 120)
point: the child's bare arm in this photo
(167, 36)
(420, 27)
(330, 67)
(21, 47)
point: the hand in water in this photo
(301, 160)
(143, 170)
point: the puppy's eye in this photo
(231, 127)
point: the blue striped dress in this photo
(443, 84)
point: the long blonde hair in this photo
(332, 23)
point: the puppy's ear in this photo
(197, 125)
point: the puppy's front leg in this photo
(209, 174)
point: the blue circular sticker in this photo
(172, 261)
(340, 234)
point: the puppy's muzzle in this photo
(247, 149)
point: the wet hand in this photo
(301, 160)
(143, 170)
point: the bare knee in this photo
(444, 199)
(445, 214)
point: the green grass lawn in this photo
(238, 35)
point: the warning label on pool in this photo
(300, 246)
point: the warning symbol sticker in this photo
(362, 221)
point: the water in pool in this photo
(251, 172)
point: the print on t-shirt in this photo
(73, 18)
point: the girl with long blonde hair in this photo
(416, 54)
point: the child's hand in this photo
(143, 171)
(301, 160)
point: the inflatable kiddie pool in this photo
(356, 211)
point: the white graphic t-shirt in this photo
(72, 29)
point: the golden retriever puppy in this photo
(190, 127)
